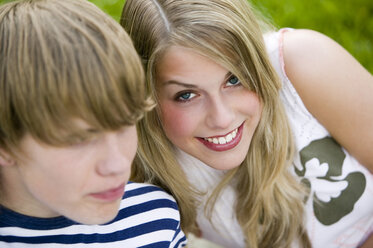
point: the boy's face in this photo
(83, 182)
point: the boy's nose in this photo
(115, 159)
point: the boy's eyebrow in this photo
(92, 130)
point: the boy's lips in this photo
(110, 194)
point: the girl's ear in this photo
(6, 159)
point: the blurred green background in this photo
(349, 22)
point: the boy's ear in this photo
(6, 159)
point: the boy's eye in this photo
(185, 96)
(232, 81)
(88, 136)
(82, 140)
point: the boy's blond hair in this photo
(61, 61)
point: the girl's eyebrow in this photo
(170, 82)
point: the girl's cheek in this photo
(177, 121)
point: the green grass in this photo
(349, 22)
(112, 7)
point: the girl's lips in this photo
(111, 194)
(224, 147)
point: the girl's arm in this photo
(335, 88)
(368, 243)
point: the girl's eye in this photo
(185, 96)
(232, 81)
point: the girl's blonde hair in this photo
(269, 206)
(61, 61)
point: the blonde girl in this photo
(260, 135)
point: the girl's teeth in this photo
(223, 140)
(234, 133)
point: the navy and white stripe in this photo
(148, 217)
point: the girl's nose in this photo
(220, 114)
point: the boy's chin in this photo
(96, 220)
(101, 216)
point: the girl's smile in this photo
(224, 142)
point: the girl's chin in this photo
(220, 164)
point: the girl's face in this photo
(83, 182)
(205, 110)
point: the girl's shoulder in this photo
(334, 87)
(297, 52)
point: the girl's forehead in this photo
(176, 57)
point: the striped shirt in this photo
(148, 217)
